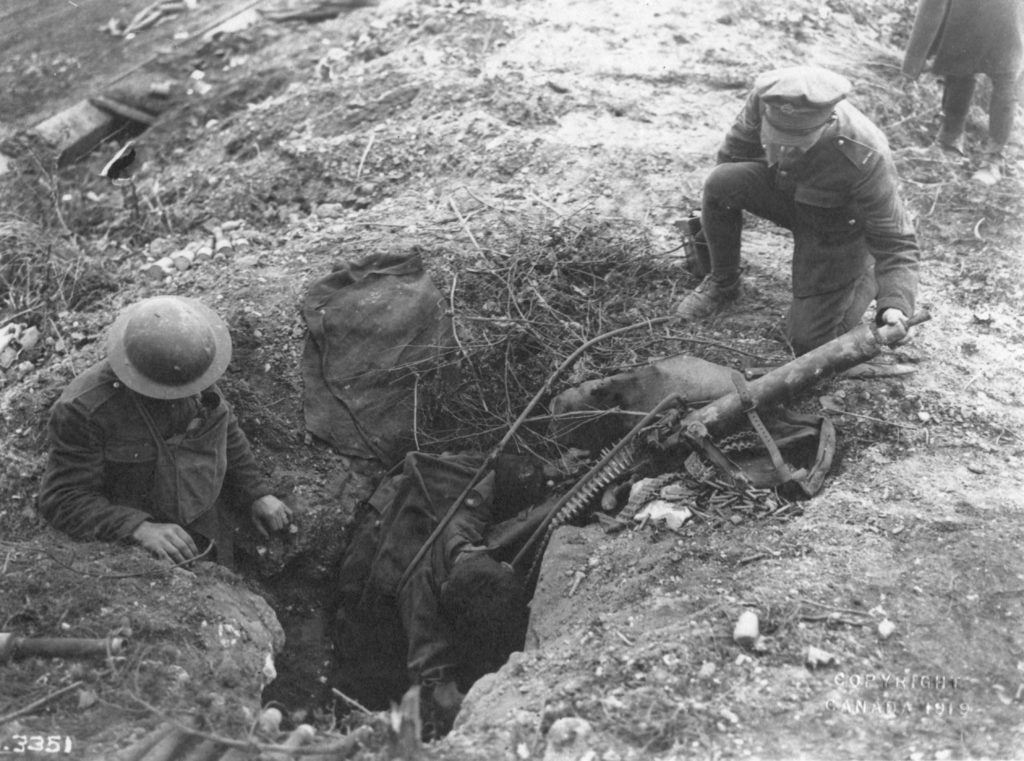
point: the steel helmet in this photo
(168, 347)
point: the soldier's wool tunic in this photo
(846, 208)
(103, 477)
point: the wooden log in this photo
(77, 130)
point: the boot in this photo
(709, 297)
(991, 170)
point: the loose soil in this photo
(538, 153)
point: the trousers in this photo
(957, 93)
(750, 186)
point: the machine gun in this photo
(699, 428)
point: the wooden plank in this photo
(77, 130)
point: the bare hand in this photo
(168, 541)
(893, 316)
(270, 514)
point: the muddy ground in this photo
(534, 149)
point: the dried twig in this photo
(352, 701)
(158, 569)
(341, 747)
(362, 160)
(39, 703)
(835, 608)
(465, 225)
(500, 447)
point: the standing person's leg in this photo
(729, 190)
(957, 92)
(815, 320)
(1002, 107)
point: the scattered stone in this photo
(330, 210)
(818, 658)
(886, 628)
(707, 670)
(567, 739)
(747, 629)
(250, 260)
(9, 334)
(270, 722)
(729, 716)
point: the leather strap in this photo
(750, 409)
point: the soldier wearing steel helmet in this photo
(804, 158)
(144, 447)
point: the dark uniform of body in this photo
(853, 240)
(390, 635)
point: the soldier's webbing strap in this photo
(750, 409)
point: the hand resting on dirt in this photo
(270, 514)
(167, 541)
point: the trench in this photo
(305, 665)
(302, 594)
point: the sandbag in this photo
(377, 330)
(640, 390)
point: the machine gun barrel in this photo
(853, 347)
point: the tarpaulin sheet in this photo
(375, 328)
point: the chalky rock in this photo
(567, 739)
(747, 629)
(815, 657)
(886, 628)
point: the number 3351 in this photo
(39, 744)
